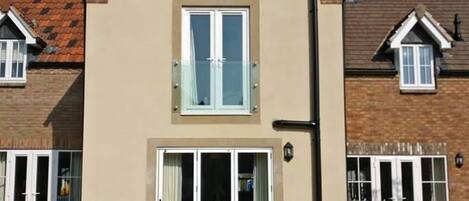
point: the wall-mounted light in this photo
(459, 160)
(288, 151)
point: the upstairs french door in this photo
(29, 176)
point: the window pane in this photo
(386, 180)
(365, 191)
(352, 192)
(20, 178)
(64, 164)
(352, 169)
(14, 68)
(425, 65)
(365, 174)
(426, 164)
(408, 65)
(200, 52)
(440, 192)
(253, 177)
(3, 168)
(439, 169)
(233, 55)
(407, 181)
(215, 176)
(42, 178)
(3, 58)
(76, 164)
(178, 177)
(427, 192)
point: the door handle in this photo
(24, 193)
(36, 193)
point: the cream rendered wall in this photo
(332, 111)
(128, 100)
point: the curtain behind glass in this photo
(172, 177)
(192, 64)
(261, 178)
(76, 173)
(3, 168)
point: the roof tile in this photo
(368, 22)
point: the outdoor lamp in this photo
(288, 151)
(459, 160)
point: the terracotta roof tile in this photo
(368, 22)
(53, 20)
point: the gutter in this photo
(312, 125)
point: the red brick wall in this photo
(376, 112)
(46, 113)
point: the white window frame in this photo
(216, 59)
(397, 175)
(197, 168)
(9, 62)
(417, 78)
(32, 171)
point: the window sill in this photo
(419, 91)
(12, 83)
(222, 113)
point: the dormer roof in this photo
(421, 16)
(59, 24)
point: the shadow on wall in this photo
(66, 117)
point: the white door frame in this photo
(396, 176)
(31, 173)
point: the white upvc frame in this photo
(31, 173)
(396, 161)
(417, 68)
(9, 61)
(197, 168)
(216, 60)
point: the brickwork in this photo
(376, 112)
(46, 113)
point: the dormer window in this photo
(417, 67)
(12, 60)
(414, 42)
(15, 36)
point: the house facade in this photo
(180, 97)
(41, 99)
(406, 86)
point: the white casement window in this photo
(434, 181)
(359, 178)
(417, 67)
(40, 175)
(214, 174)
(215, 61)
(401, 178)
(13, 61)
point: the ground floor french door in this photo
(29, 173)
(40, 175)
(207, 174)
(397, 178)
